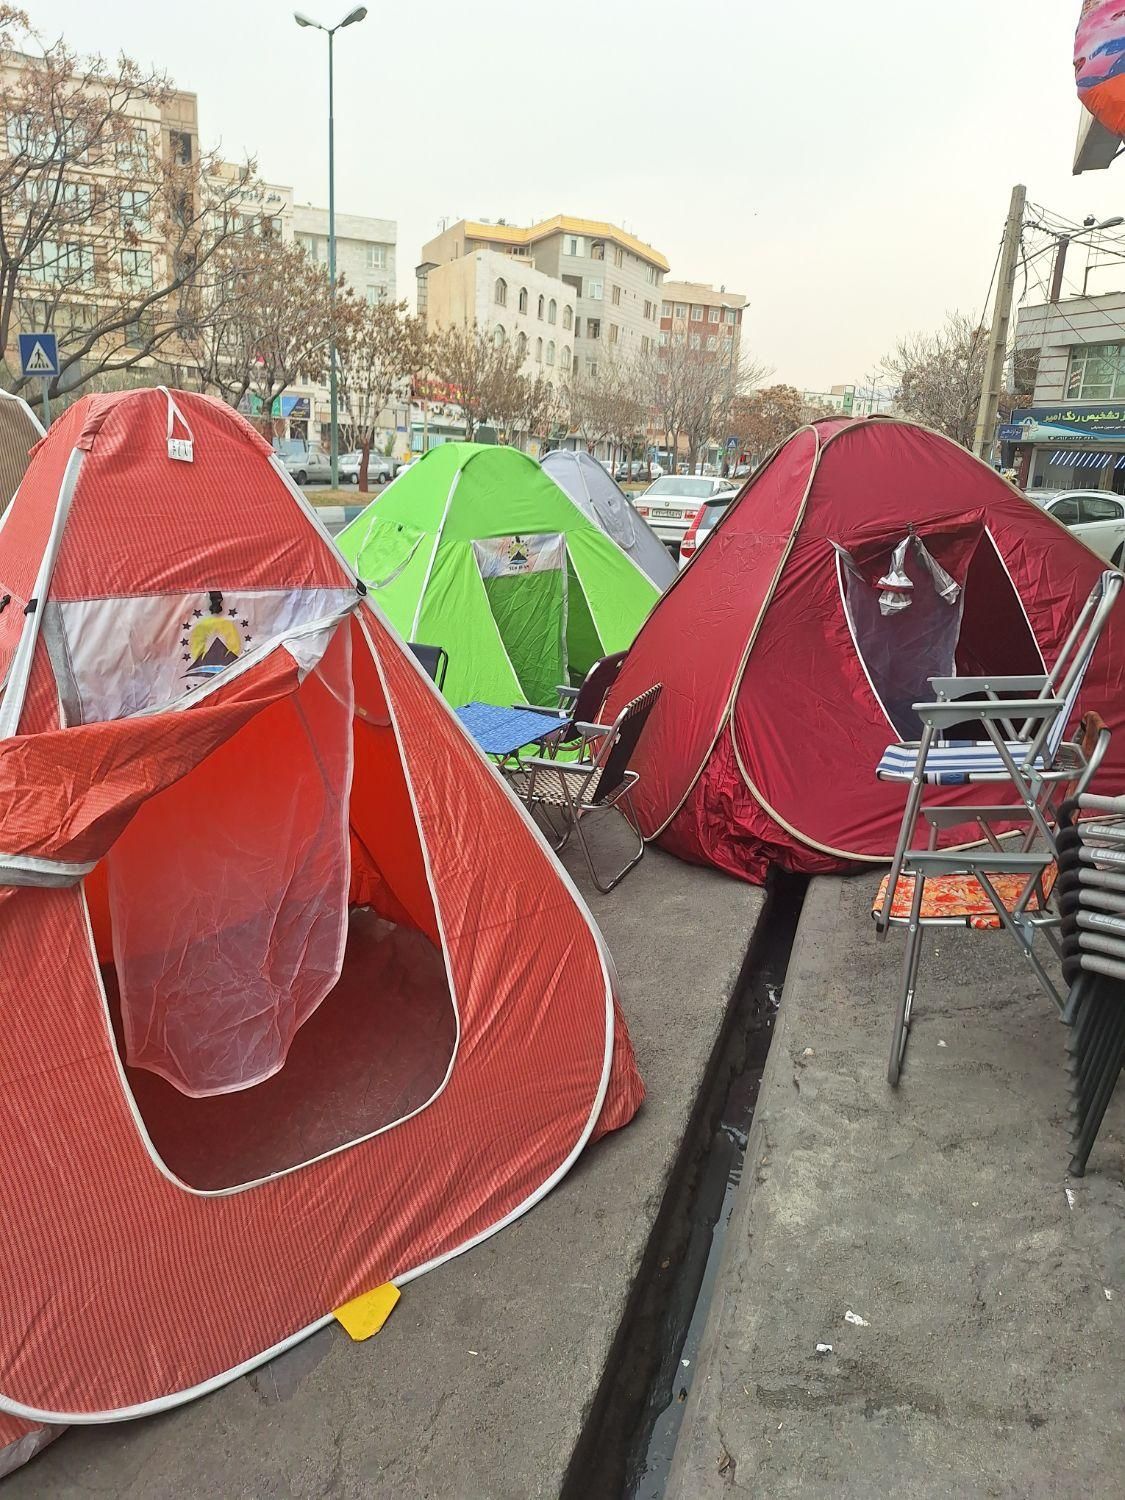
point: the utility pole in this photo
(998, 337)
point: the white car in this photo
(380, 470)
(671, 503)
(1097, 517)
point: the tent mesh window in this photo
(273, 1000)
(933, 607)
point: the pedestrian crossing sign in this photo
(39, 353)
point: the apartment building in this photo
(693, 312)
(614, 277)
(513, 301)
(1072, 436)
(365, 249)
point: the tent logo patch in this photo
(519, 555)
(213, 638)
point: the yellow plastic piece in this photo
(366, 1314)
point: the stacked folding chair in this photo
(1091, 899)
(999, 881)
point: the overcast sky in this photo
(846, 166)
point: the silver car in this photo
(307, 465)
(380, 469)
(671, 503)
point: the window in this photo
(179, 147)
(593, 328)
(665, 309)
(1095, 508)
(678, 340)
(648, 309)
(500, 296)
(614, 331)
(595, 290)
(499, 337)
(697, 315)
(25, 137)
(574, 244)
(618, 256)
(664, 341)
(521, 345)
(597, 250)
(1097, 373)
(376, 257)
(523, 299)
(714, 315)
(696, 341)
(132, 149)
(592, 368)
(1066, 511)
(650, 274)
(135, 211)
(568, 318)
(732, 316)
(550, 351)
(538, 351)
(552, 311)
(136, 267)
(681, 309)
(308, 243)
(564, 358)
(712, 343)
(70, 264)
(646, 343)
(376, 293)
(728, 333)
(615, 295)
(539, 313)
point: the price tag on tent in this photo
(366, 1314)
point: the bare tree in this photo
(273, 325)
(381, 348)
(692, 392)
(764, 419)
(543, 409)
(111, 235)
(938, 376)
(483, 371)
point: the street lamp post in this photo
(333, 394)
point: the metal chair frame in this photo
(602, 783)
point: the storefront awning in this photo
(1086, 458)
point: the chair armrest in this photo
(945, 715)
(566, 693)
(540, 708)
(567, 767)
(957, 687)
(592, 731)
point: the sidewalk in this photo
(991, 1356)
(479, 1385)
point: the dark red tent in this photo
(784, 680)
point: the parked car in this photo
(380, 469)
(670, 503)
(307, 465)
(1097, 517)
(706, 518)
(638, 469)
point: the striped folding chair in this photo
(1024, 742)
(989, 886)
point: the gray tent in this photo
(595, 493)
(19, 430)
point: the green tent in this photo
(476, 549)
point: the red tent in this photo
(278, 1024)
(784, 680)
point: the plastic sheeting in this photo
(229, 896)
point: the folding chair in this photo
(433, 660)
(578, 707)
(1091, 898)
(1031, 756)
(577, 789)
(987, 887)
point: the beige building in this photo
(365, 249)
(708, 320)
(513, 301)
(614, 277)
